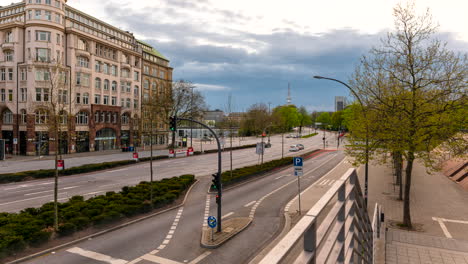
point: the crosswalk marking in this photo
(96, 256)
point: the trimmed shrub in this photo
(66, 229)
(310, 135)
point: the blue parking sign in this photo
(297, 161)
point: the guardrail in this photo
(336, 230)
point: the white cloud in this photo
(211, 87)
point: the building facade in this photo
(58, 63)
(340, 103)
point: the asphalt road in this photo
(17, 196)
(174, 237)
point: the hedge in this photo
(226, 149)
(33, 226)
(310, 135)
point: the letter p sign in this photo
(297, 161)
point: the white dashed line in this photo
(207, 211)
(226, 215)
(96, 256)
(249, 204)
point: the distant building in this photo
(340, 103)
(237, 117)
(212, 117)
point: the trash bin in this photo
(131, 149)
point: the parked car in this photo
(290, 136)
(300, 146)
(293, 148)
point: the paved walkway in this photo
(439, 209)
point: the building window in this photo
(62, 96)
(105, 68)
(42, 94)
(82, 79)
(58, 39)
(43, 36)
(97, 66)
(85, 98)
(97, 99)
(42, 55)
(114, 100)
(48, 15)
(82, 62)
(125, 73)
(125, 119)
(82, 44)
(122, 101)
(8, 55)
(57, 18)
(10, 74)
(3, 95)
(136, 76)
(57, 3)
(7, 117)
(29, 14)
(145, 98)
(154, 86)
(24, 94)
(146, 69)
(128, 87)
(135, 90)
(146, 84)
(106, 100)
(10, 95)
(82, 118)
(97, 83)
(42, 75)
(96, 117)
(108, 117)
(135, 103)
(114, 86)
(106, 85)
(78, 98)
(103, 117)
(38, 14)
(41, 116)
(3, 74)
(23, 116)
(47, 2)
(63, 117)
(24, 75)
(128, 105)
(114, 70)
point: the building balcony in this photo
(8, 45)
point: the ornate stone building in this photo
(54, 58)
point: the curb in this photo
(104, 231)
(225, 240)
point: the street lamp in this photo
(366, 174)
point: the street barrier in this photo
(336, 230)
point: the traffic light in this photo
(215, 181)
(217, 199)
(173, 123)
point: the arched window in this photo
(154, 86)
(106, 84)
(23, 116)
(135, 90)
(114, 86)
(82, 44)
(125, 119)
(128, 103)
(7, 117)
(146, 84)
(97, 83)
(86, 98)
(41, 116)
(82, 118)
(82, 62)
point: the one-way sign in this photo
(297, 161)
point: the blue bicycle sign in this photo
(212, 221)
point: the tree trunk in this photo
(398, 165)
(406, 202)
(57, 146)
(151, 164)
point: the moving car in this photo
(293, 148)
(300, 146)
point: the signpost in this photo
(60, 164)
(212, 224)
(298, 162)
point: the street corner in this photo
(231, 227)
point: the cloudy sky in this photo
(252, 49)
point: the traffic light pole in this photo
(219, 166)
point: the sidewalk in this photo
(439, 210)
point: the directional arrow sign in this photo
(212, 221)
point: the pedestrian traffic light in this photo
(215, 181)
(218, 199)
(172, 123)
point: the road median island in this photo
(310, 135)
(241, 175)
(31, 230)
(49, 173)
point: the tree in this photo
(336, 120)
(51, 113)
(284, 119)
(304, 118)
(257, 118)
(414, 92)
(324, 118)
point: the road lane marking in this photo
(23, 200)
(92, 193)
(199, 258)
(442, 225)
(157, 259)
(324, 182)
(28, 194)
(331, 182)
(118, 170)
(96, 256)
(71, 187)
(227, 215)
(207, 211)
(249, 204)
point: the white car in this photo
(293, 148)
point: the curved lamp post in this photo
(366, 174)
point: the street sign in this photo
(297, 161)
(15, 141)
(212, 221)
(260, 148)
(298, 171)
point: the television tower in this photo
(288, 100)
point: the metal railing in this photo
(336, 230)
